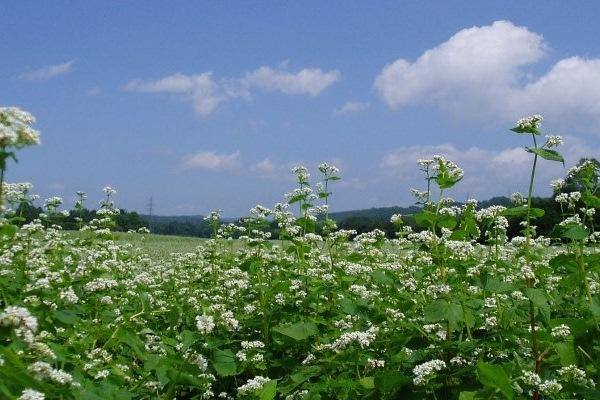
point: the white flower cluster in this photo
(424, 372)
(18, 317)
(253, 385)
(553, 141)
(532, 122)
(561, 331)
(30, 394)
(362, 338)
(15, 128)
(43, 370)
(547, 387)
(205, 324)
(571, 373)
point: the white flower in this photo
(553, 141)
(205, 323)
(253, 385)
(30, 394)
(572, 374)
(557, 184)
(550, 386)
(424, 372)
(532, 122)
(372, 363)
(15, 128)
(18, 317)
(561, 331)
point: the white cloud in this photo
(207, 93)
(487, 172)
(310, 81)
(48, 72)
(202, 90)
(268, 169)
(482, 72)
(209, 160)
(351, 107)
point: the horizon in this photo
(213, 112)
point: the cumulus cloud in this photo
(310, 81)
(48, 72)
(210, 160)
(268, 169)
(206, 93)
(351, 107)
(202, 90)
(487, 172)
(484, 72)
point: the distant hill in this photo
(360, 220)
(374, 213)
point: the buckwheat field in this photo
(455, 310)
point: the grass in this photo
(160, 246)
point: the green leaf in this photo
(447, 221)
(224, 362)
(547, 154)
(297, 331)
(576, 232)
(8, 230)
(566, 353)
(516, 129)
(443, 310)
(347, 306)
(539, 299)
(68, 317)
(494, 376)
(368, 382)
(425, 218)
(467, 395)
(590, 200)
(268, 390)
(521, 211)
(389, 382)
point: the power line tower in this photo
(150, 209)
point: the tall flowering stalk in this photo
(531, 126)
(15, 133)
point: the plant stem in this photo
(530, 192)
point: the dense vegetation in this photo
(457, 310)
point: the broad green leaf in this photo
(224, 362)
(576, 232)
(268, 390)
(8, 230)
(389, 382)
(425, 218)
(494, 376)
(531, 130)
(566, 353)
(547, 154)
(368, 382)
(590, 200)
(297, 331)
(442, 310)
(521, 211)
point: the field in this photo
(455, 310)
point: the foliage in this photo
(457, 310)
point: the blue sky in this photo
(208, 105)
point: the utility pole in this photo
(150, 209)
